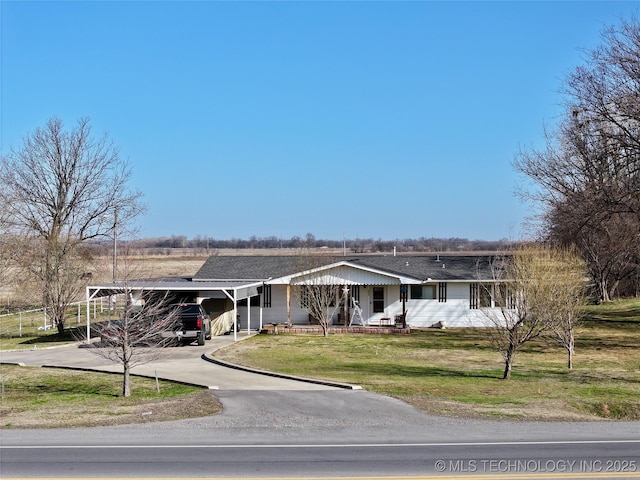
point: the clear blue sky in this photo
(357, 119)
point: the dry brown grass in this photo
(116, 413)
(34, 397)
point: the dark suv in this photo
(193, 323)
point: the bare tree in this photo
(317, 291)
(609, 243)
(565, 308)
(60, 189)
(321, 301)
(136, 337)
(516, 300)
(588, 175)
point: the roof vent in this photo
(443, 265)
(406, 264)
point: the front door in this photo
(378, 300)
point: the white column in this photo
(261, 303)
(235, 315)
(248, 315)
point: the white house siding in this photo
(277, 313)
(455, 312)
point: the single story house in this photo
(422, 290)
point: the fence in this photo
(36, 322)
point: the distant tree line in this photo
(360, 245)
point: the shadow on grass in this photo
(617, 324)
(623, 311)
(421, 371)
(69, 335)
(605, 343)
(452, 339)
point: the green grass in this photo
(19, 332)
(457, 371)
(451, 372)
(48, 397)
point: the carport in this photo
(181, 288)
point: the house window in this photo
(378, 299)
(305, 300)
(355, 292)
(480, 295)
(423, 292)
(486, 295)
(255, 302)
(442, 292)
(312, 296)
(504, 297)
(347, 292)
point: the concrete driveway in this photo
(185, 364)
(261, 408)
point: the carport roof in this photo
(178, 284)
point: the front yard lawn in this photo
(456, 371)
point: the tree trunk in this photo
(60, 327)
(508, 362)
(325, 328)
(126, 366)
(604, 290)
(570, 348)
(126, 380)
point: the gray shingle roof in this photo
(248, 267)
(444, 268)
(420, 267)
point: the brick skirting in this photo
(298, 329)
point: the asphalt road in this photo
(571, 460)
(276, 427)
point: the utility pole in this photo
(115, 244)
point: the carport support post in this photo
(289, 304)
(235, 315)
(248, 315)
